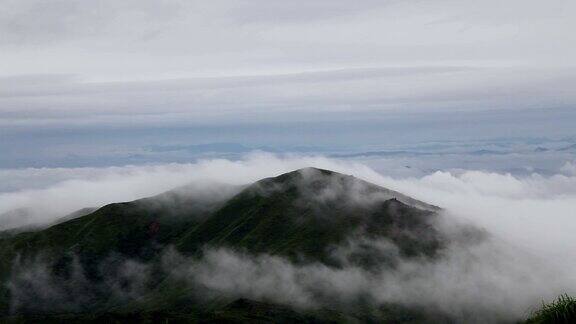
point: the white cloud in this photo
(569, 168)
(485, 283)
(528, 258)
(93, 187)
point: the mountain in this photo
(84, 268)
(378, 153)
(11, 221)
(569, 148)
(310, 210)
(486, 152)
(541, 149)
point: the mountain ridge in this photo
(307, 216)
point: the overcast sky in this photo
(136, 64)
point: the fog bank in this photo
(528, 258)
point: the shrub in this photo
(562, 310)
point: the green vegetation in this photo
(300, 215)
(560, 311)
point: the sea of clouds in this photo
(528, 258)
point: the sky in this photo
(108, 79)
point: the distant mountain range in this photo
(237, 148)
(571, 148)
(480, 152)
(228, 148)
(110, 265)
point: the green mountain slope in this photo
(305, 216)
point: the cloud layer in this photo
(151, 62)
(527, 259)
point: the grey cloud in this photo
(34, 22)
(47, 85)
(29, 22)
(36, 288)
(487, 282)
(191, 38)
(168, 62)
(68, 102)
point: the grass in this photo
(562, 310)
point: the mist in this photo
(94, 187)
(527, 257)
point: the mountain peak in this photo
(303, 173)
(312, 181)
(304, 213)
(307, 216)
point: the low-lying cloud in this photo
(484, 283)
(36, 191)
(528, 257)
